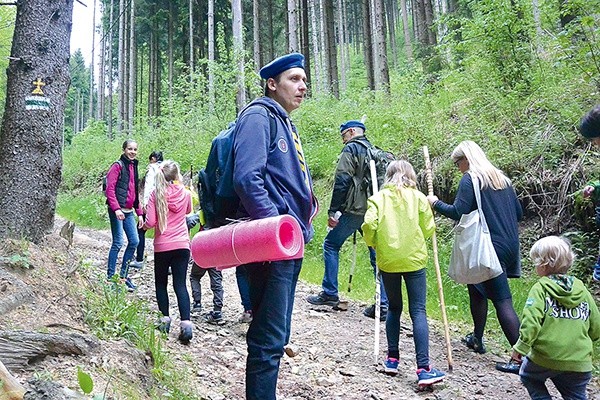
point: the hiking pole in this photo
(437, 263)
(353, 267)
(377, 288)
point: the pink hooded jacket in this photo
(176, 235)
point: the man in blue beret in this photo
(265, 139)
(346, 214)
(590, 129)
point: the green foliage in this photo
(7, 25)
(16, 254)
(85, 381)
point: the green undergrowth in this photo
(113, 315)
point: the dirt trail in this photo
(335, 359)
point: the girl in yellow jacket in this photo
(397, 223)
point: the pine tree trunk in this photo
(256, 33)
(211, 55)
(407, 39)
(316, 83)
(340, 24)
(31, 156)
(368, 44)
(170, 51)
(132, 67)
(238, 52)
(121, 66)
(292, 13)
(191, 39)
(390, 8)
(380, 30)
(109, 74)
(431, 38)
(324, 51)
(91, 99)
(331, 49)
(305, 43)
(101, 78)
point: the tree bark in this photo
(20, 349)
(292, 13)
(382, 64)
(91, 99)
(132, 68)
(331, 49)
(109, 72)
(10, 389)
(191, 27)
(406, 29)
(211, 55)
(121, 67)
(368, 44)
(305, 42)
(316, 83)
(238, 52)
(340, 24)
(390, 6)
(101, 77)
(31, 156)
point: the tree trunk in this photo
(132, 68)
(211, 55)
(30, 139)
(331, 49)
(316, 83)
(390, 8)
(341, 24)
(20, 349)
(368, 44)
(431, 38)
(191, 25)
(305, 42)
(101, 77)
(170, 51)
(121, 66)
(91, 99)
(406, 28)
(256, 33)
(324, 50)
(238, 52)
(11, 388)
(292, 13)
(109, 72)
(382, 64)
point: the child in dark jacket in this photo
(560, 323)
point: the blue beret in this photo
(283, 63)
(590, 124)
(352, 124)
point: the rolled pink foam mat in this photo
(269, 239)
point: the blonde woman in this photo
(502, 211)
(397, 223)
(166, 210)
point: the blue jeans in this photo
(129, 226)
(347, 225)
(241, 276)
(571, 385)
(272, 290)
(416, 288)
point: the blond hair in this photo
(554, 253)
(167, 174)
(402, 174)
(480, 166)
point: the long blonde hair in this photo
(167, 174)
(401, 174)
(480, 166)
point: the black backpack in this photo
(104, 177)
(218, 200)
(382, 159)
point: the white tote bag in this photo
(473, 259)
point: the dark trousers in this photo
(241, 276)
(178, 261)
(216, 285)
(139, 253)
(272, 290)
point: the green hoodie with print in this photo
(560, 322)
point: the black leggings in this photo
(178, 261)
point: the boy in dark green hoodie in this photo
(560, 322)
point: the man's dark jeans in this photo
(272, 290)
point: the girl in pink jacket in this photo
(166, 211)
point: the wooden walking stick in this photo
(377, 279)
(437, 264)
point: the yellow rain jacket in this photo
(397, 223)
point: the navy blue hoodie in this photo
(267, 175)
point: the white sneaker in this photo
(136, 264)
